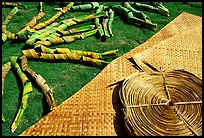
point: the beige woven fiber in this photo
(160, 103)
(183, 51)
(95, 109)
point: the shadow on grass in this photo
(133, 23)
(17, 41)
(84, 63)
(20, 86)
(46, 109)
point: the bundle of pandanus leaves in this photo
(39, 36)
(131, 12)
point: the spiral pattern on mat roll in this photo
(162, 103)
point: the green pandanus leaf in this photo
(44, 49)
(24, 34)
(31, 53)
(64, 57)
(95, 55)
(76, 20)
(132, 19)
(54, 18)
(7, 34)
(73, 57)
(9, 4)
(84, 7)
(161, 8)
(99, 27)
(143, 6)
(108, 54)
(27, 88)
(10, 35)
(27, 29)
(4, 37)
(111, 17)
(89, 33)
(47, 91)
(139, 22)
(3, 118)
(97, 21)
(156, 7)
(77, 30)
(65, 39)
(105, 26)
(137, 13)
(95, 62)
(49, 36)
(10, 16)
(65, 54)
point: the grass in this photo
(67, 78)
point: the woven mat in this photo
(95, 109)
(183, 51)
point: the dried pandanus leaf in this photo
(65, 54)
(27, 30)
(12, 5)
(95, 55)
(27, 88)
(41, 35)
(73, 57)
(50, 30)
(31, 54)
(54, 18)
(7, 34)
(47, 91)
(5, 69)
(132, 19)
(87, 54)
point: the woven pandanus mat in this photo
(183, 51)
(95, 109)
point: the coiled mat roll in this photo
(162, 103)
(94, 109)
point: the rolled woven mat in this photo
(95, 109)
(162, 103)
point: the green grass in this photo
(67, 78)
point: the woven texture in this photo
(95, 109)
(183, 51)
(158, 103)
